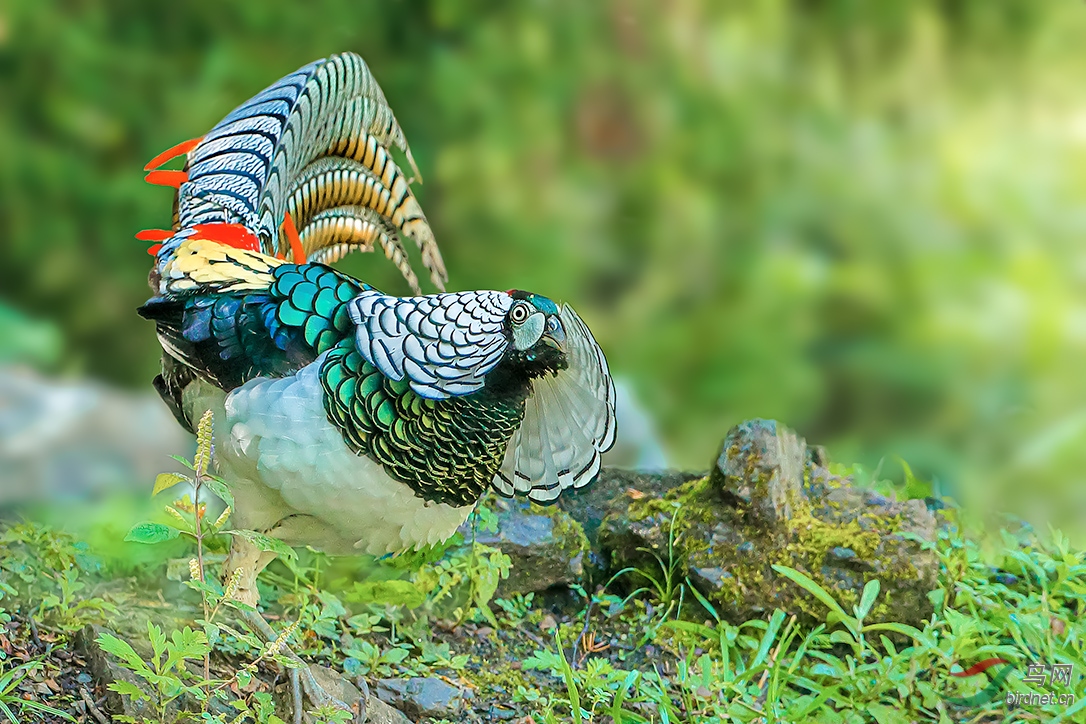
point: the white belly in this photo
(292, 474)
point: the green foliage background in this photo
(862, 218)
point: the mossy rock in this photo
(769, 501)
(547, 546)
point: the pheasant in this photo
(347, 419)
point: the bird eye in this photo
(553, 324)
(519, 313)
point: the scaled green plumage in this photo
(447, 450)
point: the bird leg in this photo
(246, 561)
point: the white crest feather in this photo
(569, 422)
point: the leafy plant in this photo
(517, 608)
(10, 702)
(478, 567)
(166, 671)
(47, 568)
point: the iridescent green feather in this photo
(314, 299)
(447, 450)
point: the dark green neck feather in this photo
(447, 451)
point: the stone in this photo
(769, 501)
(422, 697)
(761, 465)
(377, 711)
(65, 441)
(612, 493)
(546, 546)
(614, 489)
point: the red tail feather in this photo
(167, 178)
(171, 153)
(154, 235)
(291, 232)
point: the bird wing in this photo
(569, 422)
(444, 344)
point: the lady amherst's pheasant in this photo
(348, 419)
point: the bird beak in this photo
(555, 335)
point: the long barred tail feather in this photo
(306, 167)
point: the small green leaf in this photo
(218, 486)
(905, 630)
(387, 593)
(814, 589)
(394, 656)
(867, 599)
(244, 678)
(703, 601)
(165, 481)
(768, 638)
(842, 637)
(571, 681)
(886, 715)
(698, 629)
(183, 461)
(122, 650)
(189, 644)
(151, 533)
(158, 639)
(265, 542)
(127, 688)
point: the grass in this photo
(662, 654)
(11, 702)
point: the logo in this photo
(1036, 674)
(988, 693)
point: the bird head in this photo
(537, 334)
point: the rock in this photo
(612, 493)
(377, 711)
(65, 441)
(422, 696)
(769, 500)
(546, 545)
(761, 466)
(614, 489)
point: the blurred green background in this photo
(865, 219)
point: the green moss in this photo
(815, 538)
(498, 678)
(566, 530)
(685, 496)
(714, 531)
